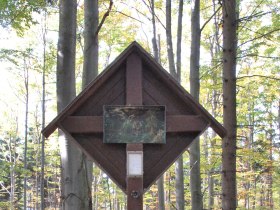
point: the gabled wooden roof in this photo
(157, 69)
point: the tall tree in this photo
(169, 42)
(90, 71)
(26, 85)
(179, 167)
(156, 50)
(73, 174)
(42, 181)
(229, 105)
(176, 73)
(90, 64)
(195, 178)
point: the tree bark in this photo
(179, 40)
(90, 65)
(179, 182)
(156, 50)
(179, 169)
(169, 40)
(90, 70)
(195, 178)
(73, 174)
(26, 84)
(229, 105)
(42, 180)
(180, 200)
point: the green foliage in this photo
(19, 14)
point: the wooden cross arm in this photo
(174, 124)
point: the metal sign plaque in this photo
(134, 124)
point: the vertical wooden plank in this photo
(134, 96)
(134, 80)
(134, 185)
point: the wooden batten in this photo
(174, 124)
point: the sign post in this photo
(134, 121)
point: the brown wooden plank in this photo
(174, 124)
(109, 92)
(156, 162)
(134, 147)
(158, 91)
(134, 184)
(83, 124)
(134, 80)
(90, 89)
(185, 123)
(176, 88)
(111, 158)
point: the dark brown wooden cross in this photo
(134, 79)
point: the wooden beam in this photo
(134, 185)
(83, 124)
(134, 80)
(185, 123)
(174, 124)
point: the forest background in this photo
(28, 56)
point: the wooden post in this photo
(134, 184)
(134, 97)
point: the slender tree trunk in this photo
(195, 178)
(269, 175)
(90, 69)
(26, 83)
(215, 51)
(73, 174)
(179, 40)
(154, 39)
(180, 200)
(179, 179)
(42, 181)
(212, 150)
(12, 160)
(169, 40)
(229, 201)
(156, 50)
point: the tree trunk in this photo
(90, 67)
(229, 105)
(169, 40)
(179, 178)
(12, 160)
(42, 181)
(215, 51)
(26, 83)
(73, 174)
(195, 178)
(90, 70)
(180, 200)
(179, 40)
(156, 50)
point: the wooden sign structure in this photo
(134, 79)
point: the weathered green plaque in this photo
(134, 124)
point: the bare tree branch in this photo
(207, 21)
(107, 13)
(257, 75)
(258, 37)
(259, 56)
(126, 15)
